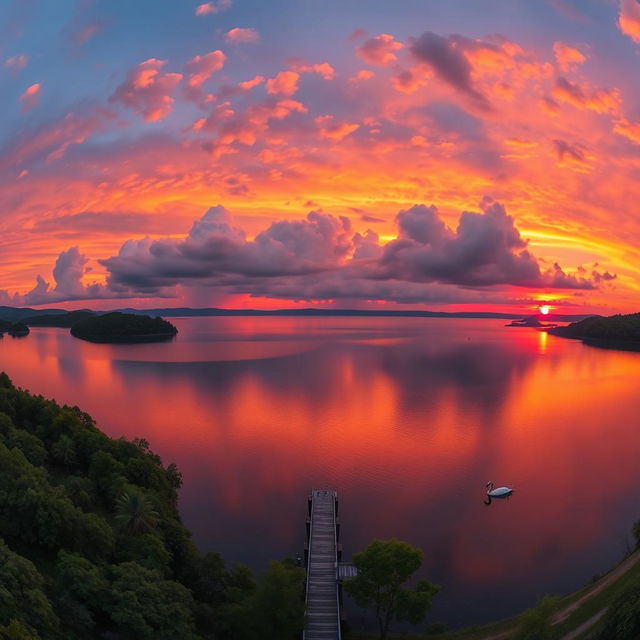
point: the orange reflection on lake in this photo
(407, 418)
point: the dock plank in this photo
(322, 607)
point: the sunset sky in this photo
(350, 153)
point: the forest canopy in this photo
(91, 542)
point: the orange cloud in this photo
(630, 130)
(584, 97)
(148, 91)
(201, 68)
(335, 131)
(629, 19)
(239, 35)
(380, 50)
(567, 57)
(30, 98)
(216, 6)
(285, 83)
(360, 76)
(323, 69)
(250, 84)
(198, 70)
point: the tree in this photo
(135, 513)
(23, 602)
(535, 623)
(145, 606)
(64, 451)
(273, 611)
(383, 568)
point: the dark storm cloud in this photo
(320, 257)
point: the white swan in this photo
(500, 492)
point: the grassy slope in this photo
(601, 598)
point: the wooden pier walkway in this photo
(323, 595)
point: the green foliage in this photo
(535, 623)
(64, 451)
(22, 596)
(135, 513)
(91, 543)
(273, 611)
(622, 619)
(122, 327)
(17, 630)
(81, 590)
(383, 568)
(147, 607)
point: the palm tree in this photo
(135, 513)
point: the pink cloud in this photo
(16, 62)
(410, 80)
(585, 97)
(84, 34)
(356, 34)
(30, 98)
(209, 8)
(201, 68)
(247, 85)
(285, 83)
(567, 57)
(238, 35)
(361, 76)
(323, 69)
(629, 130)
(198, 70)
(332, 130)
(380, 50)
(246, 127)
(51, 142)
(629, 19)
(148, 91)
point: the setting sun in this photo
(544, 309)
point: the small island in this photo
(616, 332)
(119, 327)
(530, 321)
(15, 329)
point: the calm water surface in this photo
(407, 418)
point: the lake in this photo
(407, 418)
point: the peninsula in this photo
(617, 332)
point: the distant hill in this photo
(119, 327)
(65, 319)
(16, 313)
(619, 331)
(175, 312)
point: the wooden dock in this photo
(322, 557)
